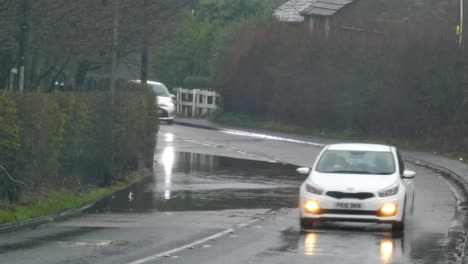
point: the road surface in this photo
(228, 197)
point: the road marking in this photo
(264, 158)
(191, 245)
(263, 136)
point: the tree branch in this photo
(9, 176)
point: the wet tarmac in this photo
(433, 233)
(195, 193)
(197, 182)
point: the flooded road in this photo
(216, 197)
(199, 182)
(431, 236)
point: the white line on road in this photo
(267, 159)
(263, 136)
(193, 244)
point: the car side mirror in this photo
(173, 96)
(407, 174)
(303, 170)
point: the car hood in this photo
(352, 182)
(164, 100)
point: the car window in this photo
(160, 89)
(359, 162)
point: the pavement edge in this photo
(34, 222)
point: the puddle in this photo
(190, 182)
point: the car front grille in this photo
(163, 113)
(345, 195)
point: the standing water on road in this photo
(190, 182)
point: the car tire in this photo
(306, 223)
(170, 122)
(399, 227)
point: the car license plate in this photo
(348, 205)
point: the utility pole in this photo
(115, 44)
(23, 51)
(460, 26)
(144, 45)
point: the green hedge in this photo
(73, 140)
(197, 82)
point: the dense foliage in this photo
(200, 36)
(400, 83)
(197, 82)
(70, 140)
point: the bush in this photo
(9, 144)
(197, 82)
(74, 139)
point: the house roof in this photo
(290, 11)
(295, 10)
(324, 7)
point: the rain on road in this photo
(209, 182)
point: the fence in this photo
(196, 102)
(11, 80)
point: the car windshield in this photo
(159, 89)
(356, 162)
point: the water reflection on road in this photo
(309, 243)
(340, 245)
(386, 250)
(185, 181)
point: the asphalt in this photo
(459, 167)
(223, 197)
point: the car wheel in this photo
(398, 226)
(306, 223)
(170, 122)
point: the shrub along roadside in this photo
(73, 142)
(249, 121)
(52, 202)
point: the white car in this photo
(165, 101)
(357, 182)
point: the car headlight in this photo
(167, 104)
(313, 189)
(389, 191)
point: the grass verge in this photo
(56, 201)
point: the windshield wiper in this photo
(350, 171)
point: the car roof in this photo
(148, 82)
(360, 147)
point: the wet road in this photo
(224, 191)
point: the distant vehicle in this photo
(357, 182)
(165, 101)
